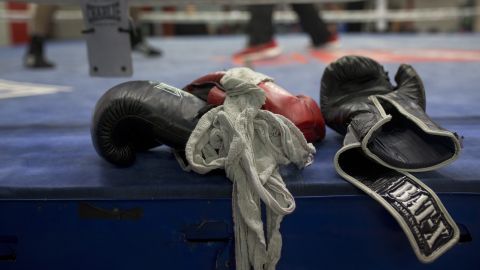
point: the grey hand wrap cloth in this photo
(250, 144)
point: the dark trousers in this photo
(261, 30)
(355, 27)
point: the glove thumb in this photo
(410, 84)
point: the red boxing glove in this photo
(303, 111)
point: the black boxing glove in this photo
(388, 133)
(139, 115)
(389, 121)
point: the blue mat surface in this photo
(45, 146)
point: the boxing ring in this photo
(62, 206)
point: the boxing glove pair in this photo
(139, 115)
(387, 135)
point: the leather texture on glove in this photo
(389, 121)
(139, 115)
(303, 111)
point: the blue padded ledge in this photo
(59, 162)
(46, 151)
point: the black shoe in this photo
(35, 57)
(36, 61)
(139, 44)
(147, 50)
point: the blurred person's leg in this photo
(260, 31)
(476, 27)
(260, 28)
(355, 26)
(403, 26)
(137, 37)
(314, 25)
(40, 29)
